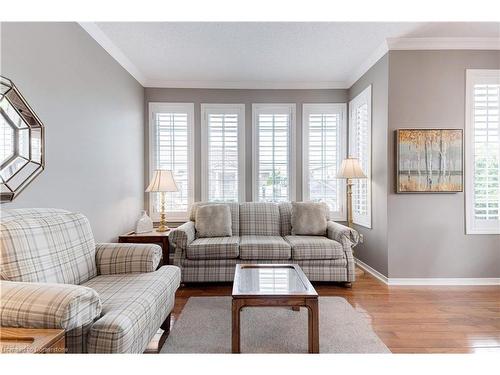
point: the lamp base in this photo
(162, 228)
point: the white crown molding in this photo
(381, 50)
(456, 281)
(101, 38)
(443, 43)
(390, 44)
(269, 85)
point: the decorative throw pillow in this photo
(213, 220)
(309, 218)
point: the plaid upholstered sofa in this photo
(109, 298)
(261, 233)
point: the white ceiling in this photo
(260, 54)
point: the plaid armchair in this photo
(109, 298)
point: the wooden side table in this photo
(154, 237)
(31, 340)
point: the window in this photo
(482, 129)
(324, 139)
(274, 152)
(223, 152)
(171, 147)
(360, 124)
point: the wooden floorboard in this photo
(408, 319)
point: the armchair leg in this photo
(347, 285)
(165, 326)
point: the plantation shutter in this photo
(486, 152)
(223, 171)
(324, 150)
(360, 148)
(273, 134)
(171, 143)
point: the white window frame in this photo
(319, 108)
(206, 110)
(161, 107)
(364, 97)
(475, 76)
(266, 108)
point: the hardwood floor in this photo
(444, 319)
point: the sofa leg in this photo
(348, 285)
(165, 326)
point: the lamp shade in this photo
(350, 168)
(162, 181)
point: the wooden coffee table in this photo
(275, 285)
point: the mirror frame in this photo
(12, 180)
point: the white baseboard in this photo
(372, 271)
(428, 281)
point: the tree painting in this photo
(429, 160)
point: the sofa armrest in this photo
(115, 258)
(348, 237)
(183, 235)
(44, 305)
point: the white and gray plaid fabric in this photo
(222, 270)
(214, 248)
(45, 251)
(183, 235)
(314, 247)
(235, 214)
(17, 213)
(260, 219)
(115, 258)
(51, 249)
(342, 234)
(133, 308)
(43, 305)
(285, 218)
(264, 247)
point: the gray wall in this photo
(93, 113)
(374, 249)
(426, 231)
(247, 97)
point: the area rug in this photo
(204, 326)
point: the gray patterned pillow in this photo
(309, 218)
(213, 220)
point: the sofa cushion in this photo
(50, 249)
(264, 247)
(235, 214)
(213, 248)
(314, 247)
(213, 220)
(133, 308)
(261, 219)
(309, 218)
(285, 209)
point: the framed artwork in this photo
(429, 160)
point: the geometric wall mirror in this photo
(21, 142)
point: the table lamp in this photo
(163, 181)
(350, 169)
